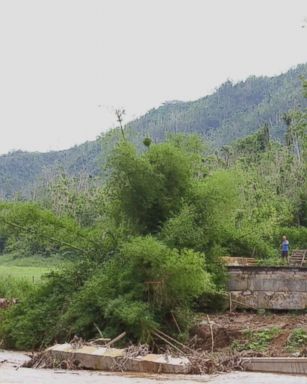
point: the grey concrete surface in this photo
(105, 359)
(269, 287)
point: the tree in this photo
(147, 188)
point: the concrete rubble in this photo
(114, 359)
(111, 359)
(288, 365)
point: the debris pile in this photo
(178, 358)
(5, 303)
(220, 343)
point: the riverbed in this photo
(12, 373)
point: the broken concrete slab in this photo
(291, 365)
(160, 364)
(113, 359)
(89, 357)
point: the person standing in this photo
(285, 248)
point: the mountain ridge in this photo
(232, 111)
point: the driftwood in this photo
(201, 362)
(120, 364)
(175, 321)
(168, 342)
(100, 341)
(174, 340)
(117, 338)
(211, 331)
(98, 329)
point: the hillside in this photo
(231, 112)
(19, 170)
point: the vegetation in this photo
(142, 245)
(124, 275)
(31, 274)
(16, 288)
(257, 341)
(233, 111)
(297, 340)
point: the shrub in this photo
(297, 340)
(12, 288)
(257, 341)
(144, 286)
(34, 322)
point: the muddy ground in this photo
(238, 330)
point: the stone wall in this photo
(269, 287)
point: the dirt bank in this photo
(265, 334)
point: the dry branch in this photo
(117, 338)
(211, 331)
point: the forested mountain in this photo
(231, 112)
(20, 170)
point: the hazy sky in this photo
(66, 64)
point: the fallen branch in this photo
(117, 338)
(98, 329)
(174, 340)
(175, 321)
(169, 343)
(211, 331)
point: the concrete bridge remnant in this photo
(283, 288)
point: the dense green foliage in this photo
(124, 276)
(145, 245)
(231, 112)
(149, 188)
(21, 172)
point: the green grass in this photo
(297, 340)
(257, 341)
(30, 268)
(20, 276)
(30, 261)
(32, 274)
(14, 288)
(272, 262)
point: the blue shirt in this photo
(285, 246)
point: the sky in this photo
(66, 65)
